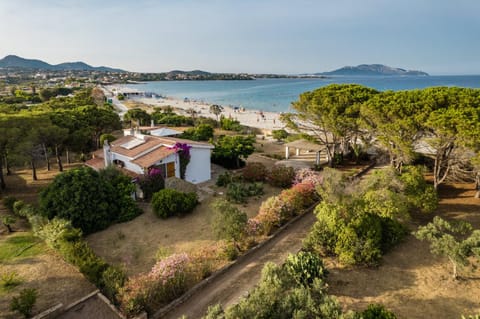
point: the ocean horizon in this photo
(276, 95)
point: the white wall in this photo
(198, 170)
(128, 165)
(171, 158)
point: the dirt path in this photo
(229, 287)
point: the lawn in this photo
(19, 245)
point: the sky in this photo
(441, 37)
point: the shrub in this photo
(203, 261)
(202, 132)
(323, 236)
(215, 312)
(359, 242)
(281, 176)
(8, 202)
(9, 280)
(58, 231)
(254, 172)
(238, 192)
(24, 302)
(231, 151)
(375, 311)
(90, 200)
(167, 280)
(151, 183)
(26, 211)
(224, 179)
(230, 124)
(230, 251)
(277, 295)
(299, 196)
(113, 279)
(304, 267)
(82, 256)
(271, 214)
(306, 175)
(392, 233)
(419, 193)
(18, 206)
(228, 221)
(8, 221)
(169, 202)
(279, 134)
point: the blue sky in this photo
(256, 36)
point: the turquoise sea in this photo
(276, 95)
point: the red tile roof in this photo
(151, 142)
(96, 163)
(154, 156)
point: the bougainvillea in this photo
(183, 151)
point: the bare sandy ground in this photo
(410, 281)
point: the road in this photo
(119, 106)
(230, 286)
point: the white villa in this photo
(136, 153)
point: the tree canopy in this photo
(90, 200)
(230, 150)
(330, 114)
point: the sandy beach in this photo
(253, 118)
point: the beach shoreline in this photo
(267, 121)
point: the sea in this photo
(276, 95)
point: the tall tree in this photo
(452, 131)
(391, 117)
(330, 114)
(138, 115)
(98, 121)
(9, 134)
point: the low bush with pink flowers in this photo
(168, 279)
(307, 175)
(277, 210)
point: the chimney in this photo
(107, 153)
(152, 124)
(132, 131)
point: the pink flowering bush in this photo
(271, 214)
(277, 210)
(206, 260)
(301, 195)
(306, 175)
(253, 227)
(167, 280)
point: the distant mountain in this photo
(372, 69)
(194, 72)
(13, 61)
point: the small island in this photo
(373, 70)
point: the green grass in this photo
(20, 245)
(8, 281)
